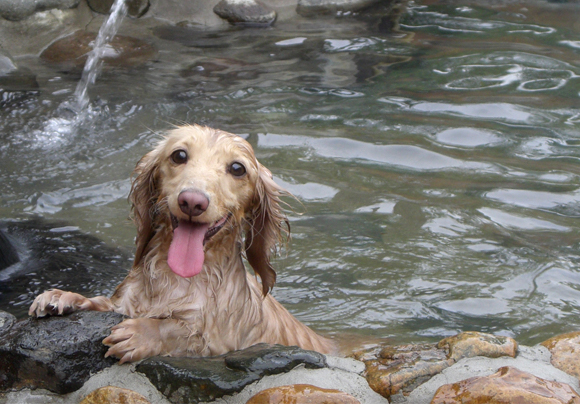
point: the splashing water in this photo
(95, 59)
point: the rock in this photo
(7, 320)
(12, 78)
(469, 344)
(247, 12)
(114, 395)
(206, 379)
(565, 350)
(19, 10)
(396, 369)
(310, 8)
(122, 50)
(7, 65)
(266, 359)
(135, 8)
(302, 394)
(507, 385)
(392, 370)
(56, 353)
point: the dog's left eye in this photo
(237, 169)
(179, 157)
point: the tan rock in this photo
(469, 344)
(302, 394)
(507, 385)
(565, 350)
(114, 395)
(402, 368)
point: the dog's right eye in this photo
(179, 157)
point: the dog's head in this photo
(201, 182)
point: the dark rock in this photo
(135, 8)
(267, 359)
(73, 50)
(56, 353)
(312, 8)
(191, 380)
(19, 10)
(53, 254)
(246, 12)
(302, 394)
(507, 385)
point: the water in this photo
(438, 167)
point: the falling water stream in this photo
(95, 59)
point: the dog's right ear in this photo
(143, 197)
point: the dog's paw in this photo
(134, 339)
(57, 302)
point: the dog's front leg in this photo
(58, 302)
(141, 338)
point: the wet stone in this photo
(135, 8)
(55, 353)
(245, 12)
(507, 385)
(565, 350)
(122, 51)
(302, 394)
(7, 320)
(395, 369)
(114, 395)
(469, 344)
(191, 380)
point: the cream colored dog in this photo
(200, 201)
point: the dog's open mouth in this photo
(186, 255)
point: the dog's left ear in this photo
(269, 227)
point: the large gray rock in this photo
(19, 10)
(56, 353)
(247, 12)
(192, 380)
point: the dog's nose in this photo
(192, 203)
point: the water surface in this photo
(438, 166)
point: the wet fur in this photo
(224, 307)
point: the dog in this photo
(200, 201)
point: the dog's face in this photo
(199, 182)
(206, 178)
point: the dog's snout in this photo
(192, 203)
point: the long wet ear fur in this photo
(269, 227)
(143, 197)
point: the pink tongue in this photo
(185, 256)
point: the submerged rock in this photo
(507, 385)
(191, 380)
(302, 394)
(565, 350)
(121, 51)
(56, 353)
(251, 12)
(310, 8)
